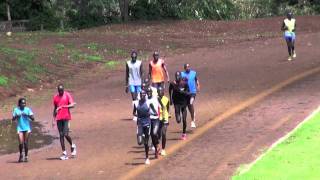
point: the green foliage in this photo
(69, 15)
(3, 80)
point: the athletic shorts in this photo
(63, 126)
(158, 84)
(28, 131)
(289, 36)
(192, 98)
(135, 89)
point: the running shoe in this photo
(147, 162)
(73, 150)
(153, 148)
(294, 55)
(64, 156)
(26, 159)
(289, 58)
(163, 152)
(20, 158)
(193, 124)
(135, 118)
(184, 137)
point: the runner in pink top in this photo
(62, 102)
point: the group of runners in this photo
(151, 107)
(62, 102)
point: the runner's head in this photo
(134, 55)
(156, 56)
(289, 15)
(149, 92)
(145, 84)
(143, 95)
(22, 102)
(160, 92)
(60, 89)
(187, 67)
(178, 76)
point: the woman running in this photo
(23, 115)
(142, 111)
(179, 97)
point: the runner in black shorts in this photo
(142, 111)
(179, 97)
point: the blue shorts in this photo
(289, 36)
(135, 89)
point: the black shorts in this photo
(63, 127)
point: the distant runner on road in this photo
(156, 68)
(179, 97)
(62, 102)
(23, 115)
(164, 119)
(134, 72)
(289, 28)
(142, 111)
(194, 87)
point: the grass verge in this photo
(295, 158)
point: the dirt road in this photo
(229, 74)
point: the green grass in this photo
(3, 80)
(296, 158)
(111, 64)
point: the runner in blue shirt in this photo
(194, 87)
(23, 115)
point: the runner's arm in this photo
(284, 27)
(141, 73)
(198, 83)
(170, 93)
(165, 69)
(150, 69)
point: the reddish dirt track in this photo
(228, 73)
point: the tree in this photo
(8, 15)
(124, 9)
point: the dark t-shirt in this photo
(180, 92)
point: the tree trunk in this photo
(124, 9)
(9, 15)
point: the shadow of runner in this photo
(134, 164)
(53, 159)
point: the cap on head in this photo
(289, 14)
(156, 55)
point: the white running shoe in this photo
(64, 156)
(147, 162)
(135, 118)
(153, 149)
(289, 58)
(163, 152)
(73, 150)
(193, 124)
(294, 55)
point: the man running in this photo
(62, 102)
(194, 87)
(142, 111)
(164, 119)
(153, 101)
(134, 73)
(179, 97)
(156, 68)
(289, 28)
(23, 115)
